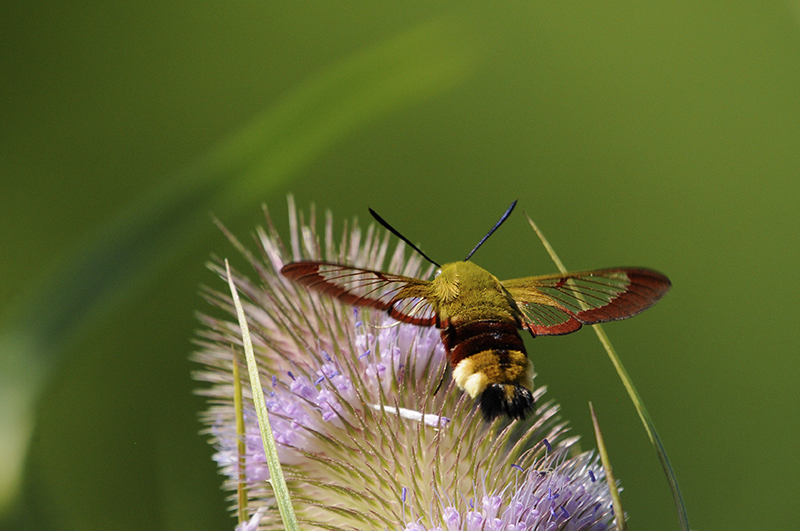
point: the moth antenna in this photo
(394, 231)
(496, 226)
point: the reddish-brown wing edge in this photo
(645, 287)
(400, 288)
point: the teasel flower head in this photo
(370, 429)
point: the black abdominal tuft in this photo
(495, 402)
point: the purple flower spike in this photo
(364, 441)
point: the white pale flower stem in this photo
(649, 426)
(276, 474)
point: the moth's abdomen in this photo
(489, 360)
(513, 400)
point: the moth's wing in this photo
(560, 304)
(404, 298)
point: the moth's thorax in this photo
(465, 292)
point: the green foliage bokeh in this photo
(656, 135)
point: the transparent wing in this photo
(404, 298)
(560, 304)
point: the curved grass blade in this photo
(649, 426)
(275, 472)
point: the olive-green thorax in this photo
(464, 292)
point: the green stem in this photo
(616, 501)
(241, 486)
(649, 427)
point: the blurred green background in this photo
(664, 135)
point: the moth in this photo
(480, 316)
